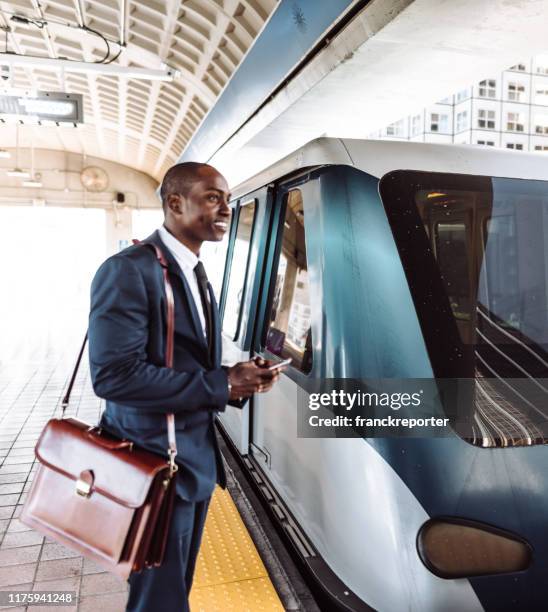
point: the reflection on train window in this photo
(500, 274)
(238, 269)
(451, 253)
(490, 243)
(289, 332)
(213, 256)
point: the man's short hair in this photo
(179, 179)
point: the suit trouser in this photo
(167, 587)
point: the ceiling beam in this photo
(122, 113)
(171, 23)
(93, 89)
(124, 21)
(205, 60)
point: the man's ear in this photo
(174, 203)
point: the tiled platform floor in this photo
(29, 396)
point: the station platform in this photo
(230, 574)
(239, 568)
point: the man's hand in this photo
(253, 376)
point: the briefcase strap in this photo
(66, 398)
(172, 442)
(170, 302)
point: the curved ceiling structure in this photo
(144, 124)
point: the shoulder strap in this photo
(170, 302)
(66, 398)
(172, 442)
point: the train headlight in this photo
(459, 548)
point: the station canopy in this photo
(142, 123)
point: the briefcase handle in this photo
(170, 302)
(95, 434)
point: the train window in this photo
(289, 331)
(475, 253)
(451, 252)
(500, 278)
(213, 256)
(238, 269)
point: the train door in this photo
(284, 331)
(249, 231)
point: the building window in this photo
(541, 124)
(463, 94)
(486, 119)
(462, 121)
(395, 129)
(486, 143)
(439, 123)
(515, 122)
(540, 63)
(416, 125)
(488, 88)
(289, 331)
(516, 92)
(541, 147)
(519, 67)
(541, 96)
(514, 145)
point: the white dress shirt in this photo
(187, 261)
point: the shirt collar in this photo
(184, 256)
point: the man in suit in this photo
(127, 343)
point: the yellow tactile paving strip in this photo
(229, 572)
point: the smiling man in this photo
(127, 343)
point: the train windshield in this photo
(475, 252)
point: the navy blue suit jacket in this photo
(127, 341)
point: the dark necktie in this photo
(201, 276)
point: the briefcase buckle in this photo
(173, 467)
(84, 483)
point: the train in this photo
(399, 260)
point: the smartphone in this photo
(280, 364)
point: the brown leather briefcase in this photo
(104, 497)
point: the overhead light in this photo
(44, 106)
(18, 173)
(132, 72)
(56, 108)
(4, 154)
(32, 183)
